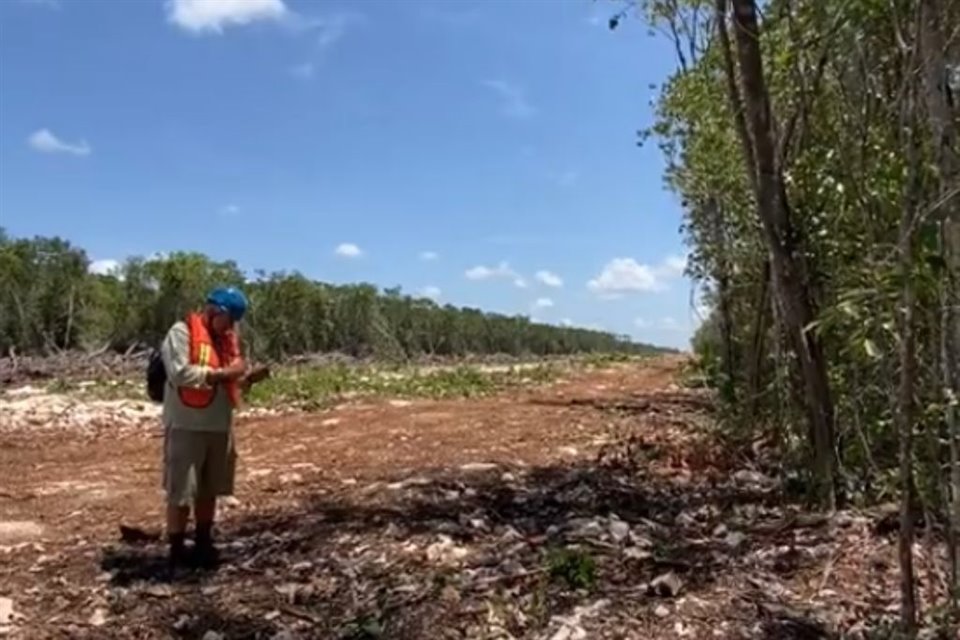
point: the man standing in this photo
(205, 373)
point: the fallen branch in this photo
(302, 615)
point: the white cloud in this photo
(549, 278)
(348, 250)
(104, 267)
(566, 322)
(44, 141)
(501, 271)
(230, 210)
(667, 323)
(481, 272)
(674, 265)
(212, 16)
(331, 29)
(670, 323)
(328, 29)
(626, 275)
(428, 256)
(542, 303)
(514, 103)
(431, 292)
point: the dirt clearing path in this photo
(597, 505)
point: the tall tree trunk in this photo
(781, 370)
(69, 329)
(908, 363)
(788, 262)
(947, 351)
(908, 592)
(755, 365)
(942, 110)
(715, 212)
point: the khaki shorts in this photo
(197, 465)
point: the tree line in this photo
(814, 145)
(51, 302)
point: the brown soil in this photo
(435, 519)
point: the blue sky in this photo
(480, 152)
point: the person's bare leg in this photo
(177, 483)
(205, 511)
(177, 518)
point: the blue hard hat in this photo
(230, 300)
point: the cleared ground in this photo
(598, 506)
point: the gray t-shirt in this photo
(175, 351)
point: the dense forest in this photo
(814, 145)
(51, 302)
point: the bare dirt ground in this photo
(599, 506)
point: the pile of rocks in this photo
(30, 407)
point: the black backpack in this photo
(156, 376)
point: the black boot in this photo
(206, 554)
(178, 555)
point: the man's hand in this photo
(257, 373)
(233, 372)
(254, 375)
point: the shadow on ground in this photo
(489, 552)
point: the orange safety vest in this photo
(204, 352)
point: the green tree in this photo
(49, 302)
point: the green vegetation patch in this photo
(314, 387)
(573, 567)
